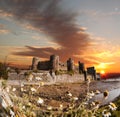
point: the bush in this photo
(70, 72)
(26, 74)
(3, 71)
(36, 71)
(57, 72)
(17, 71)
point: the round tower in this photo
(54, 62)
(35, 61)
(70, 65)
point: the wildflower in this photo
(29, 104)
(89, 96)
(69, 94)
(96, 106)
(38, 78)
(105, 113)
(49, 107)
(16, 115)
(40, 101)
(32, 114)
(33, 89)
(12, 113)
(97, 92)
(93, 104)
(112, 106)
(14, 89)
(30, 77)
(92, 94)
(22, 89)
(61, 107)
(22, 84)
(23, 107)
(105, 94)
(75, 98)
(85, 103)
(97, 102)
(7, 89)
(71, 106)
(41, 83)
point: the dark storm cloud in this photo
(47, 15)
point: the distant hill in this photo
(110, 75)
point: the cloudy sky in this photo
(85, 30)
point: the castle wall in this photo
(35, 63)
(70, 65)
(43, 65)
(54, 62)
(81, 67)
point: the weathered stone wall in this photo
(91, 71)
(70, 65)
(81, 67)
(35, 63)
(47, 78)
(68, 78)
(54, 62)
(43, 65)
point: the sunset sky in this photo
(85, 30)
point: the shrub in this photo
(3, 71)
(17, 71)
(27, 74)
(70, 72)
(36, 71)
(57, 72)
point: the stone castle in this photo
(54, 64)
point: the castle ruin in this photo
(81, 67)
(70, 65)
(53, 64)
(35, 61)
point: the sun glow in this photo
(102, 72)
(102, 65)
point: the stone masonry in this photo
(35, 63)
(70, 65)
(52, 64)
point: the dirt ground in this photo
(57, 94)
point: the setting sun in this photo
(102, 72)
(102, 65)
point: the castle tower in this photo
(35, 61)
(70, 65)
(81, 67)
(92, 72)
(54, 62)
